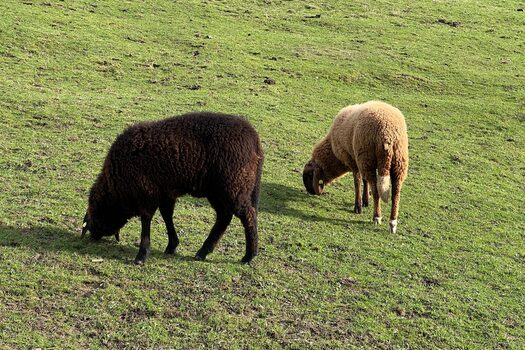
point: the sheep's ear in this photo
(117, 236)
(308, 176)
(318, 183)
(85, 226)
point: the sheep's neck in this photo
(325, 157)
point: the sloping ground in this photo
(73, 74)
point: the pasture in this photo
(74, 74)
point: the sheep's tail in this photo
(383, 171)
(257, 188)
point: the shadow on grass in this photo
(277, 199)
(44, 239)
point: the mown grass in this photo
(75, 73)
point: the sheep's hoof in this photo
(393, 226)
(170, 251)
(140, 261)
(247, 259)
(357, 209)
(365, 204)
(141, 257)
(377, 220)
(200, 257)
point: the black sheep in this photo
(150, 164)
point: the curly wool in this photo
(369, 139)
(372, 135)
(210, 155)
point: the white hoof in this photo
(377, 220)
(393, 226)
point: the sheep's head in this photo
(102, 225)
(313, 178)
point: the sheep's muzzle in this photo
(312, 178)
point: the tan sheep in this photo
(371, 141)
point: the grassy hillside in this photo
(74, 74)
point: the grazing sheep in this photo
(150, 164)
(371, 141)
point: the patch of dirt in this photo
(449, 23)
(135, 315)
(92, 287)
(348, 281)
(430, 282)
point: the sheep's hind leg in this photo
(358, 204)
(144, 239)
(396, 192)
(372, 179)
(166, 210)
(224, 217)
(248, 218)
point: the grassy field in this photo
(75, 73)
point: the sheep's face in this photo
(100, 226)
(313, 178)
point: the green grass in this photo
(74, 74)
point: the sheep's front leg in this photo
(224, 218)
(144, 239)
(358, 204)
(166, 210)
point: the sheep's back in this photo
(182, 154)
(362, 131)
(379, 122)
(379, 129)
